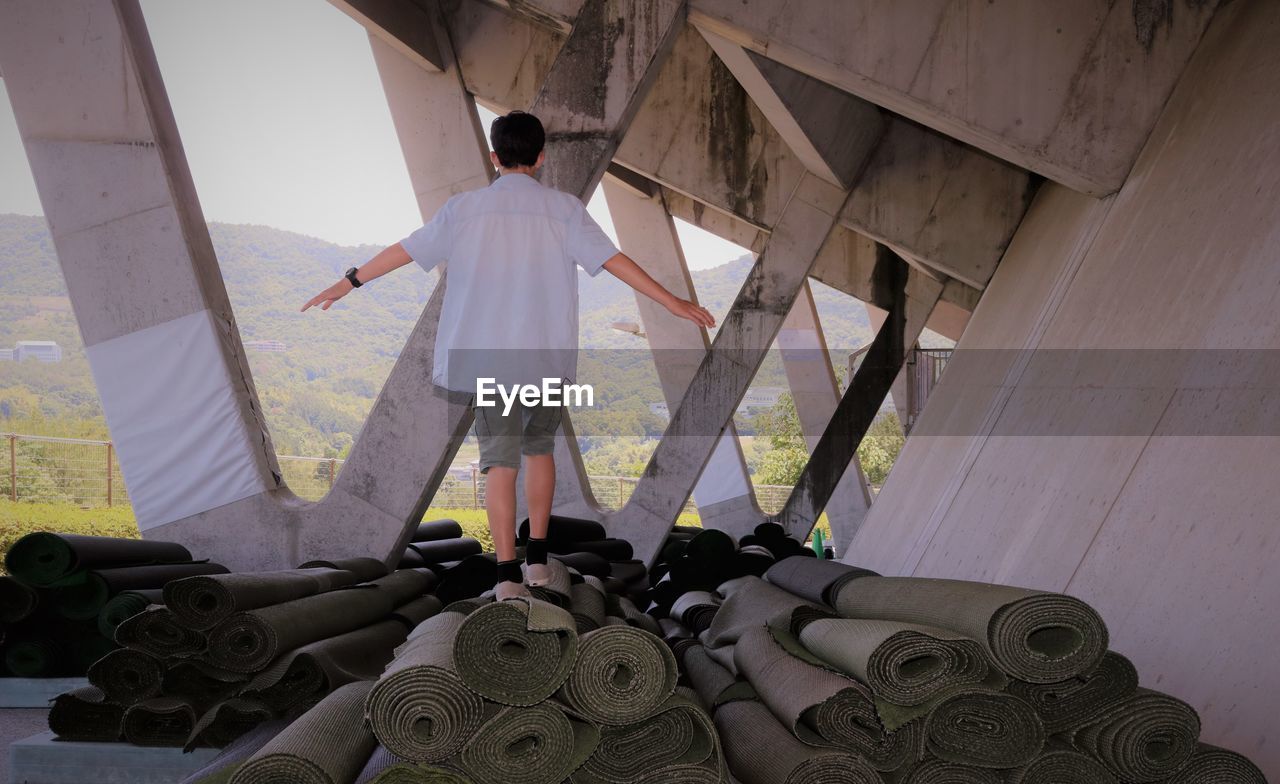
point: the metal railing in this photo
(87, 473)
(924, 368)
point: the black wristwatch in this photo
(351, 276)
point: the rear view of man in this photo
(510, 319)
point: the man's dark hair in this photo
(517, 138)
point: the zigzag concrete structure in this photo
(1081, 193)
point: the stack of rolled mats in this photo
(823, 672)
(215, 655)
(65, 594)
(438, 545)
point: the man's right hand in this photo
(692, 312)
(330, 295)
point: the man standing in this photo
(510, 317)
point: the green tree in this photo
(880, 448)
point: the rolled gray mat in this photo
(984, 729)
(558, 585)
(127, 676)
(384, 767)
(814, 579)
(419, 708)
(84, 714)
(1212, 765)
(201, 602)
(1059, 763)
(159, 721)
(679, 734)
(673, 630)
(539, 744)
(1075, 702)
(1148, 737)
(708, 678)
(621, 675)
(83, 598)
(586, 605)
(1033, 636)
(415, 611)
(749, 602)
(442, 550)
(126, 605)
(249, 641)
(516, 652)
(696, 610)
(228, 720)
(158, 631)
(753, 560)
(200, 683)
(760, 750)
(317, 668)
(221, 768)
(328, 744)
(17, 600)
(820, 707)
(434, 530)
(365, 569)
(640, 620)
(936, 771)
(43, 558)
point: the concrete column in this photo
(647, 234)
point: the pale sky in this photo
(285, 124)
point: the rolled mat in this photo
(585, 563)
(159, 721)
(621, 675)
(821, 707)
(628, 571)
(127, 676)
(32, 655)
(586, 605)
(1061, 764)
(541, 744)
(471, 577)
(565, 529)
(249, 641)
(85, 599)
(936, 771)
(677, 735)
(516, 652)
(751, 602)
(761, 751)
(201, 602)
(84, 714)
(125, 605)
(226, 721)
(364, 568)
(1075, 702)
(711, 547)
(199, 683)
(609, 549)
(985, 729)
(639, 620)
(442, 550)
(158, 631)
(417, 610)
(708, 678)
(435, 530)
(17, 601)
(420, 709)
(753, 560)
(813, 579)
(696, 610)
(904, 665)
(1212, 765)
(411, 559)
(318, 668)
(384, 767)
(557, 586)
(1031, 635)
(43, 558)
(328, 744)
(222, 767)
(1148, 737)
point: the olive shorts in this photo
(526, 430)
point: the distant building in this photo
(41, 350)
(6, 355)
(275, 346)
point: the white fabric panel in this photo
(174, 419)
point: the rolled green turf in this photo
(125, 605)
(328, 744)
(86, 598)
(984, 729)
(1068, 705)
(812, 578)
(159, 721)
(201, 602)
(678, 735)
(539, 744)
(1031, 635)
(84, 714)
(17, 601)
(127, 676)
(221, 768)
(384, 767)
(1061, 764)
(420, 709)
(200, 683)
(34, 655)
(1148, 737)
(43, 558)
(365, 569)
(158, 632)
(760, 750)
(621, 675)
(228, 720)
(936, 771)
(586, 605)
(1212, 765)
(516, 652)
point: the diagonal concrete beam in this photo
(403, 25)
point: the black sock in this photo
(509, 572)
(535, 552)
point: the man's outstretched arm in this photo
(387, 259)
(622, 267)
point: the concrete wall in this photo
(1142, 482)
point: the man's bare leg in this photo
(500, 506)
(539, 489)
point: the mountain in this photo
(318, 391)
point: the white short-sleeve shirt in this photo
(511, 304)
